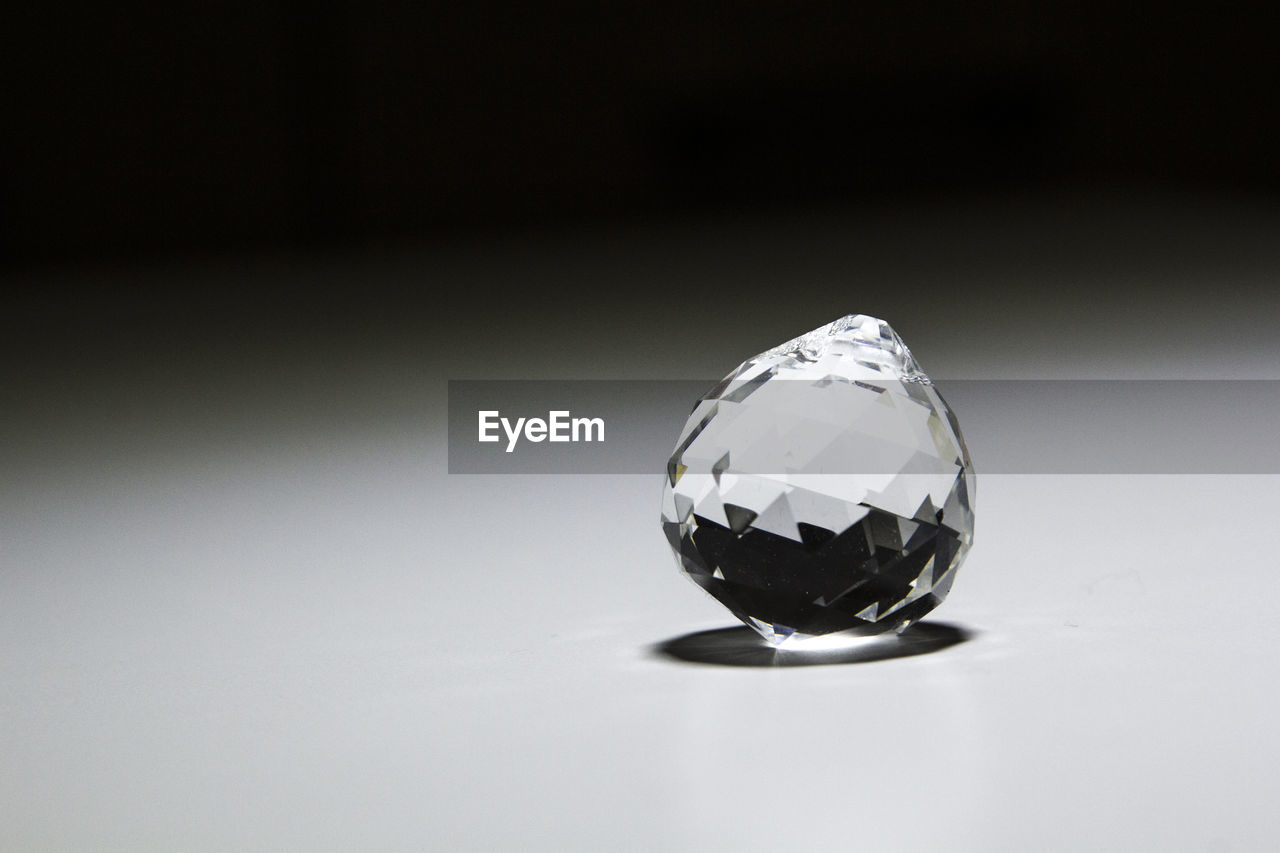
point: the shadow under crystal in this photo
(741, 646)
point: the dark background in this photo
(153, 131)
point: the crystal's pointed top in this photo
(872, 341)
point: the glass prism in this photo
(823, 487)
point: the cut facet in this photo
(822, 487)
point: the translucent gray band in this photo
(1012, 426)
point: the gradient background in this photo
(243, 605)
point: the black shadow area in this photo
(742, 646)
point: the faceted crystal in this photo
(822, 487)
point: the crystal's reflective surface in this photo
(823, 486)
